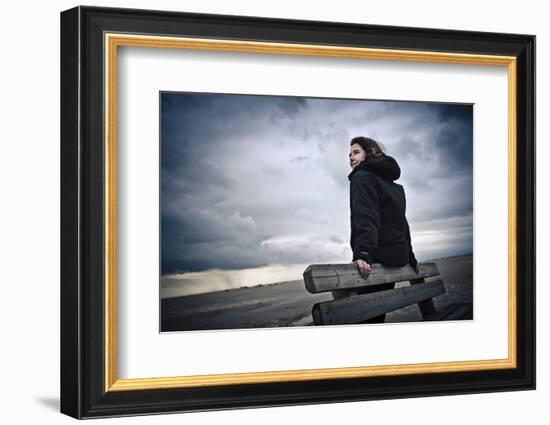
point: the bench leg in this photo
(427, 307)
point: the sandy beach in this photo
(289, 304)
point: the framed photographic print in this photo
(261, 212)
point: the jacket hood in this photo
(384, 166)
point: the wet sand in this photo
(289, 304)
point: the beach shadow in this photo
(49, 402)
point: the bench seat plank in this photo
(331, 277)
(366, 306)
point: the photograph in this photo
(285, 211)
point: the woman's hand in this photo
(363, 267)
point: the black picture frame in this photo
(83, 171)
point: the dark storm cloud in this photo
(437, 135)
(454, 137)
(249, 181)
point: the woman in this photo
(379, 229)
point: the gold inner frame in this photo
(113, 41)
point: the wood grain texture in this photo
(331, 277)
(427, 307)
(362, 307)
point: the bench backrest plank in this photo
(331, 277)
(362, 307)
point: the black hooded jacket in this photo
(379, 229)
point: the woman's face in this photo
(356, 155)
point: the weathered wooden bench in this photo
(358, 300)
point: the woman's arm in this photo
(365, 213)
(412, 259)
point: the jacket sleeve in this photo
(412, 259)
(365, 213)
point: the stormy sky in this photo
(250, 182)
